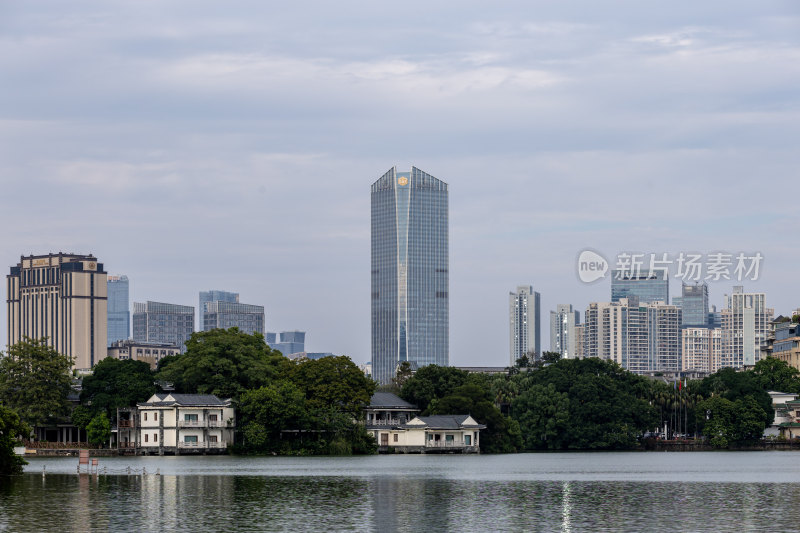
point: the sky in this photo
(196, 145)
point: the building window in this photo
(146, 437)
(145, 417)
(190, 418)
(155, 417)
(468, 440)
(212, 438)
(394, 437)
(212, 418)
(190, 438)
(155, 437)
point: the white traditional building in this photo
(170, 423)
(432, 434)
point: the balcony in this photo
(201, 445)
(447, 444)
(125, 424)
(200, 424)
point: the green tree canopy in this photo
(225, 363)
(99, 429)
(334, 382)
(431, 382)
(501, 435)
(266, 411)
(11, 427)
(117, 383)
(607, 406)
(35, 381)
(772, 374)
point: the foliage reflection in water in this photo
(386, 500)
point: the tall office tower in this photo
(745, 324)
(410, 277)
(523, 323)
(163, 323)
(645, 285)
(714, 318)
(290, 342)
(223, 315)
(61, 297)
(213, 296)
(694, 305)
(119, 313)
(562, 331)
(696, 349)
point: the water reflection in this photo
(386, 502)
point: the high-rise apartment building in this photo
(163, 323)
(645, 285)
(223, 315)
(664, 337)
(213, 296)
(563, 338)
(639, 337)
(696, 349)
(580, 341)
(61, 297)
(410, 272)
(745, 326)
(523, 323)
(119, 313)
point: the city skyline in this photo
(204, 149)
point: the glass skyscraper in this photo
(647, 286)
(410, 277)
(213, 296)
(119, 313)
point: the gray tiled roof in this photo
(387, 400)
(447, 422)
(188, 400)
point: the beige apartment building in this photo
(61, 297)
(149, 352)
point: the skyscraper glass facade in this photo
(119, 314)
(213, 296)
(647, 286)
(163, 322)
(694, 305)
(410, 272)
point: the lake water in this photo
(654, 491)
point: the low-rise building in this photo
(387, 410)
(170, 423)
(149, 352)
(432, 434)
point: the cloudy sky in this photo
(204, 145)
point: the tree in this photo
(502, 435)
(544, 417)
(404, 373)
(772, 374)
(11, 427)
(35, 381)
(99, 429)
(266, 411)
(334, 382)
(116, 383)
(225, 363)
(432, 381)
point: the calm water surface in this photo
(733, 491)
